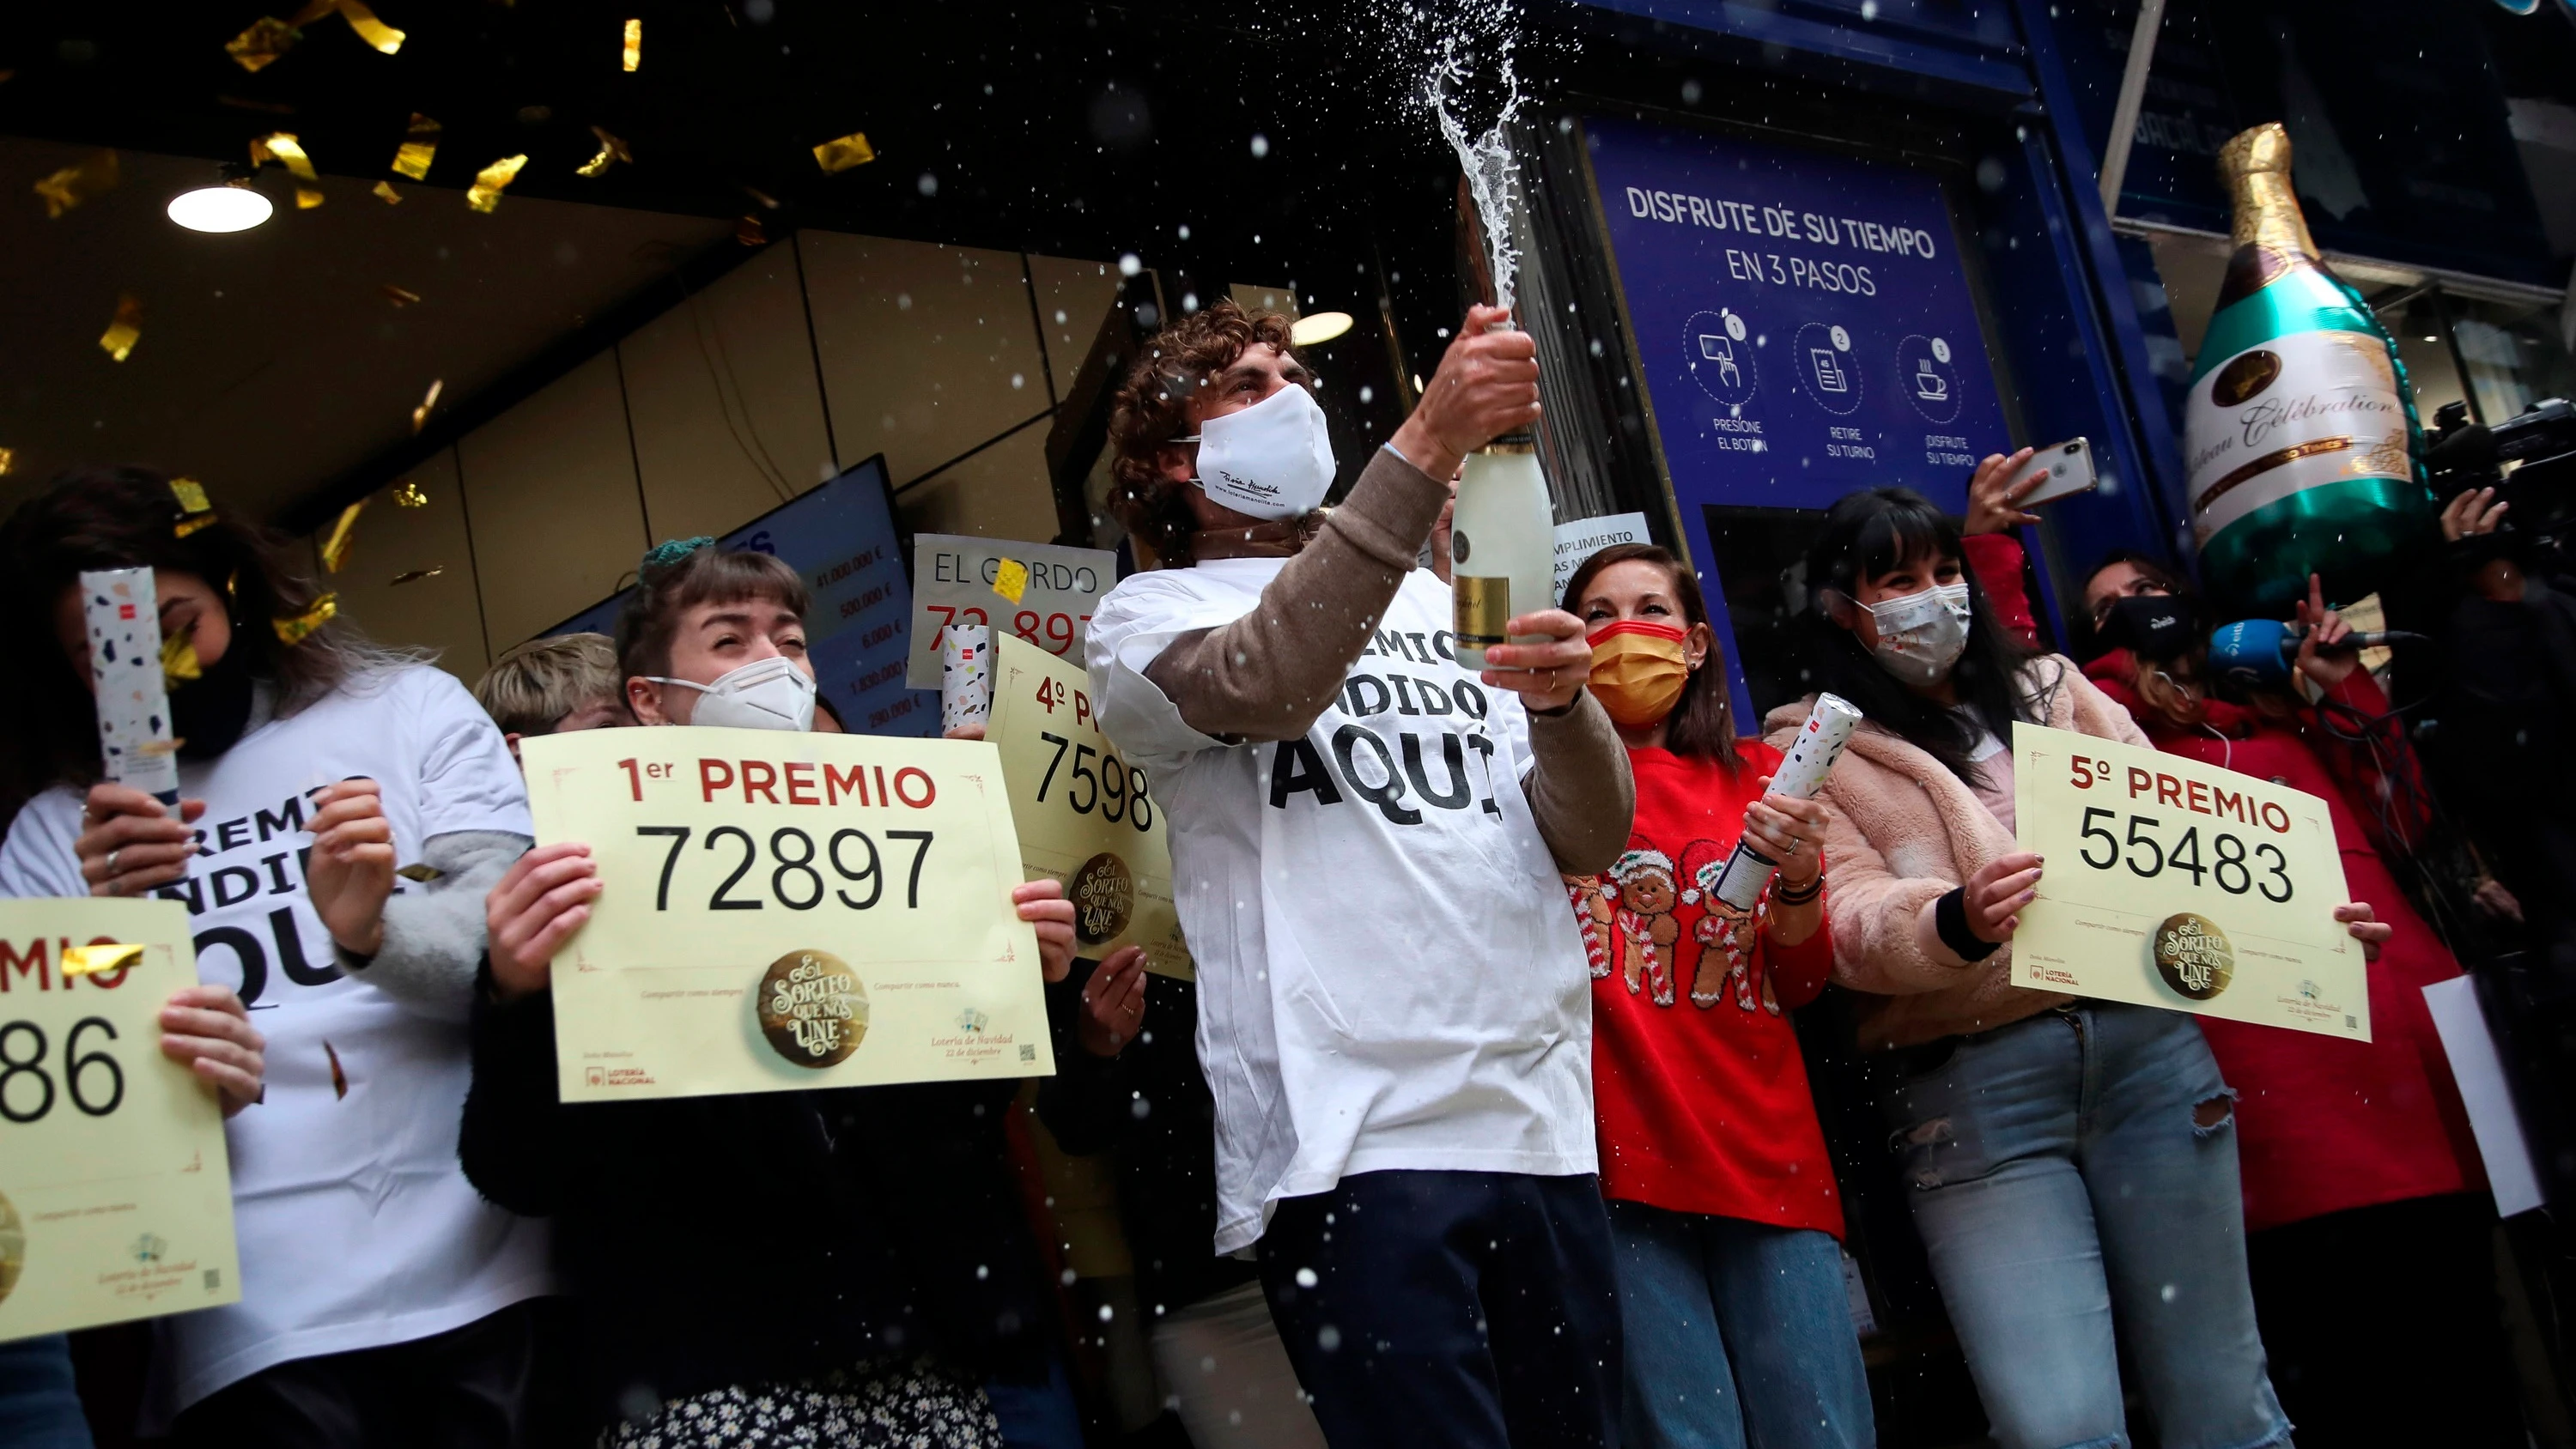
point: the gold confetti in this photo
(297, 628)
(126, 330)
(73, 185)
(423, 872)
(94, 960)
(8, 460)
(413, 576)
(611, 150)
(750, 232)
(335, 549)
(420, 144)
(196, 510)
(634, 43)
(767, 201)
(267, 38)
(407, 494)
(179, 662)
(1011, 580)
(386, 190)
(492, 180)
(420, 415)
(399, 296)
(371, 30)
(339, 1078)
(283, 148)
(850, 150)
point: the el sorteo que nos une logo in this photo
(813, 1009)
(1104, 899)
(2193, 956)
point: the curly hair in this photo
(1152, 409)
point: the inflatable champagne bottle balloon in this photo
(2301, 429)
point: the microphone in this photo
(2260, 651)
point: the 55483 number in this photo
(796, 877)
(2148, 857)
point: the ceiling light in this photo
(220, 208)
(1317, 327)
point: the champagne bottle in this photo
(2300, 429)
(1502, 546)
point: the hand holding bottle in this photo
(1546, 674)
(1486, 386)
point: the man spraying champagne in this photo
(1367, 843)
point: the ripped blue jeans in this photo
(2073, 1168)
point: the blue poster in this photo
(1802, 319)
(858, 631)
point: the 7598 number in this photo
(796, 878)
(2148, 857)
(1115, 789)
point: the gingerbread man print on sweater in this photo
(1647, 930)
(1725, 936)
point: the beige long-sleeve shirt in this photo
(1269, 674)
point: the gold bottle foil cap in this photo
(1512, 443)
(813, 1009)
(2254, 166)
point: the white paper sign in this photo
(953, 581)
(1585, 537)
(2492, 1118)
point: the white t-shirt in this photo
(357, 1228)
(1387, 973)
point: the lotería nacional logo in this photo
(970, 1020)
(1104, 899)
(2193, 956)
(149, 1248)
(813, 1009)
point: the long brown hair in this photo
(1702, 724)
(129, 517)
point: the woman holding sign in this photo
(311, 767)
(2353, 1151)
(2069, 1158)
(788, 1261)
(1722, 1204)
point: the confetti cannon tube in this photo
(1820, 743)
(124, 615)
(965, 675)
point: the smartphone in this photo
(2068, 470)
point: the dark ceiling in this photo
(1261, 148)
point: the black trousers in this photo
(2383, 1325)
(500, 1382)
(1432, 1309)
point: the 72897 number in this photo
(796, 876)
(2148, 857)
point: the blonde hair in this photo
(534, 685)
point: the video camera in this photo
(2462, 455)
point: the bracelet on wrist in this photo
(1784, 894)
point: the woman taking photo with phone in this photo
(2071, 1161)
(1723, 1210)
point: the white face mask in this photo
(1922, 634)
(1270, 460)
(766, 694)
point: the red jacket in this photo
(2322, 1124)
(1701, 1092)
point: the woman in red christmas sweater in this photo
(1722, 1201)
(2352, 1154)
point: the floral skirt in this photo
(881, 1404)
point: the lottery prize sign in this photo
(2175, 883)
(1086, 816)
(1042, 593)
(784, 910)
(116, 1194)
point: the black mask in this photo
(2151, 626)
(209, 712)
